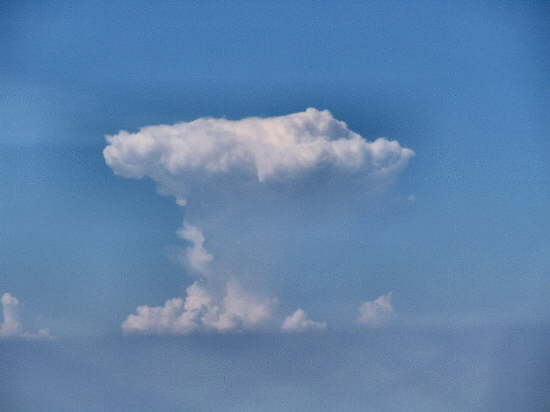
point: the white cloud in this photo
(11, 325)
(202, 309)
(299, 322)
(237, 310)
(196, 256)
(270, 148)
(377, 312)
(180, 201)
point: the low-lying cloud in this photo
(12, 326)
(200, 310)
(211, 304)
(300, 322)
(376, 313)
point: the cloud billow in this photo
(270, 148)
(201, 311)
(211, 304)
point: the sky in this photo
(264, 206)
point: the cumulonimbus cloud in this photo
(376, 313)
(198, 152)
(12, 326)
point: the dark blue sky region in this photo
(459, 235)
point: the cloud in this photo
(237, 310)
(270, 148)
(11, 325)
(299, 322)
(203, 309)
(376, 313)
(196, 256)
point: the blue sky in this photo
(459, 234)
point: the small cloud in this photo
(411, 198)
(196, 256)
(12, 326)
(299, 322)
(376, 313)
